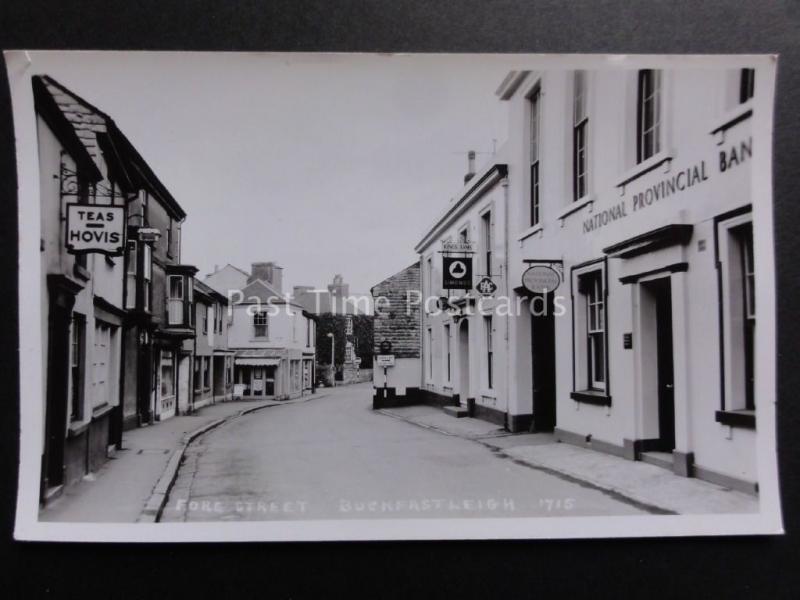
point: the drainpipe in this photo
(507, 286)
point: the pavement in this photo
(336, 458)
(639, 482)
(119, 491)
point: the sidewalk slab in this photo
(646, 484)
(435, 418)
(641, 482)
(118, 491)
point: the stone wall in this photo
(398, 320)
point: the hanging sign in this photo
(95, 228)
(457, 273)
(541, 279)
(486, 287)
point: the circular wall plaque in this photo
(540, 279)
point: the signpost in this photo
(457, 272)
(95, 228)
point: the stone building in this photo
(397, 321)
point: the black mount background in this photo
(722, 567)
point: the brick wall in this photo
(399, 321)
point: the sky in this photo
(324, 164)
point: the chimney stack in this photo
(268, 272)
(470, 166)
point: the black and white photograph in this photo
(331, 296)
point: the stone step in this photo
(456, 411)
(659, 459)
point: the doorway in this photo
(543, 358)
(661, 293)
(463, 362)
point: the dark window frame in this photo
(648, 114)
(580, 127)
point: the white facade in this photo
(634, 186)
(463, 350)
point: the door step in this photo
(659, 459)
(456, 411)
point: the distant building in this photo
(273, 340)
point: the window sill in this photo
(530, 231)
(645, 167)
(733, 117)
(745, 419)
(101, 411)
(575, 206)
(76, 428)
(591, 397)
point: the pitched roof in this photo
(98, 134)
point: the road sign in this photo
(541, 279)
(386, 347)
(457, 273)
(486, 287)
(384, 360)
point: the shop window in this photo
(648, 115)
(580, 130)
(747, 85)
(535, 131)
(206, 372)
(489, 337)
(101, 364)
(590, 334)
(198, 375)
(260, 324)
(738, 280)
(77, 361)
(486, 225)
(167, 375)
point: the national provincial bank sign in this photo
(673, 184)
(95, 228)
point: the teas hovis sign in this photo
(95, 228)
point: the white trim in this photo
(534, 229)
(587, 200)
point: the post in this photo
(385, 377)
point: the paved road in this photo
(334, 457)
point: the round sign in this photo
(540, 279)
(458, 269)
(386, 347)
